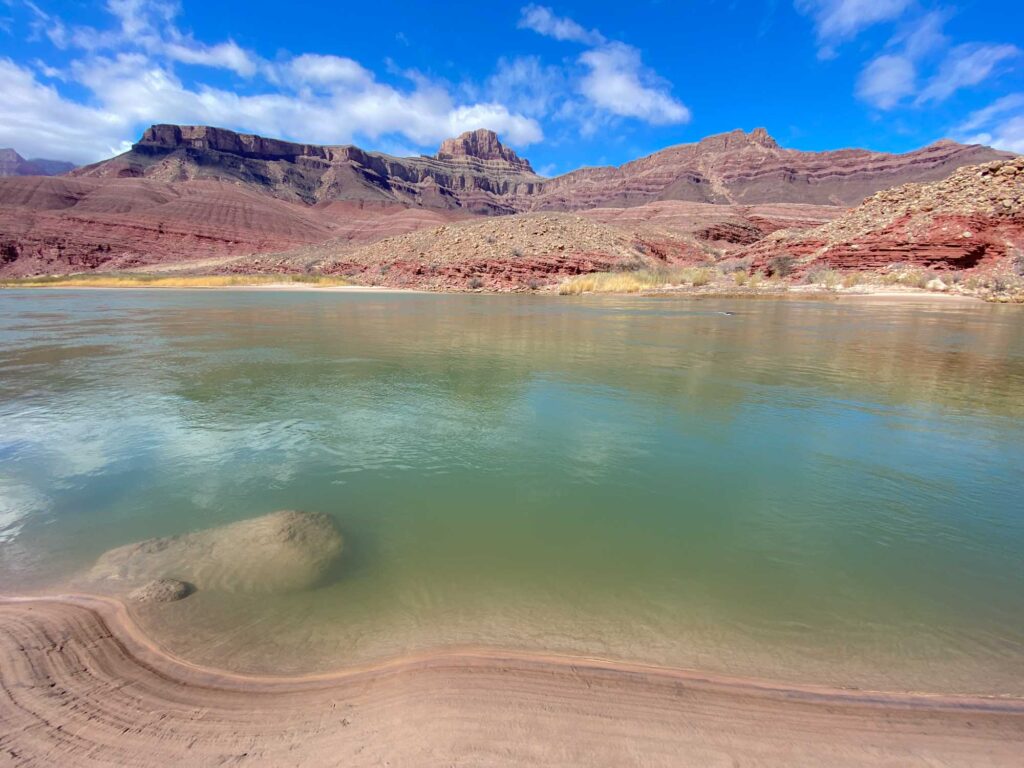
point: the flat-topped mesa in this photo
(164, 136)
(482, 144)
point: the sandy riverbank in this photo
(82, 685)
(800, 294)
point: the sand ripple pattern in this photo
(80, 685)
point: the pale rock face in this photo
(280, 552)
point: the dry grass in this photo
(913, 277)
(635, 282)
(998, 288)
(850, 279)
(827, 278)
(160, 281)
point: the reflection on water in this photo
(809, 490)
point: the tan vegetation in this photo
(827, 278)
(128, 280)
(635, 282)
(912, 277)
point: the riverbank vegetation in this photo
(131, 280)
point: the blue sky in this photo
(567, 84)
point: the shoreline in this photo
(274, 287)
(886, 294)
(93, 649)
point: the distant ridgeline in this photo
(237, 203)
(477, 173)
(13, 164)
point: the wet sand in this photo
(81, 685)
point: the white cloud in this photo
(526, 85)
(129, 75)
(966, 65)
(837, 21)
(148, 25)
(619, 83)
(1008, 135)
(886, 80)
(923, 35)
(892, 78)
(311, 68)
(38, 122)
(1013, 102)
(543, 20)
(614, 79)
(1000, 124)
(226, 55)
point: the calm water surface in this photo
(801, 490)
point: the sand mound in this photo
(279, 552)
(161, 591)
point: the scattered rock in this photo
(974, 219)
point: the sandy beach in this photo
(886, 294)
(81, 685)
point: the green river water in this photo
(815, 491)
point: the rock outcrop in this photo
(973, 219)
(13, 164)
